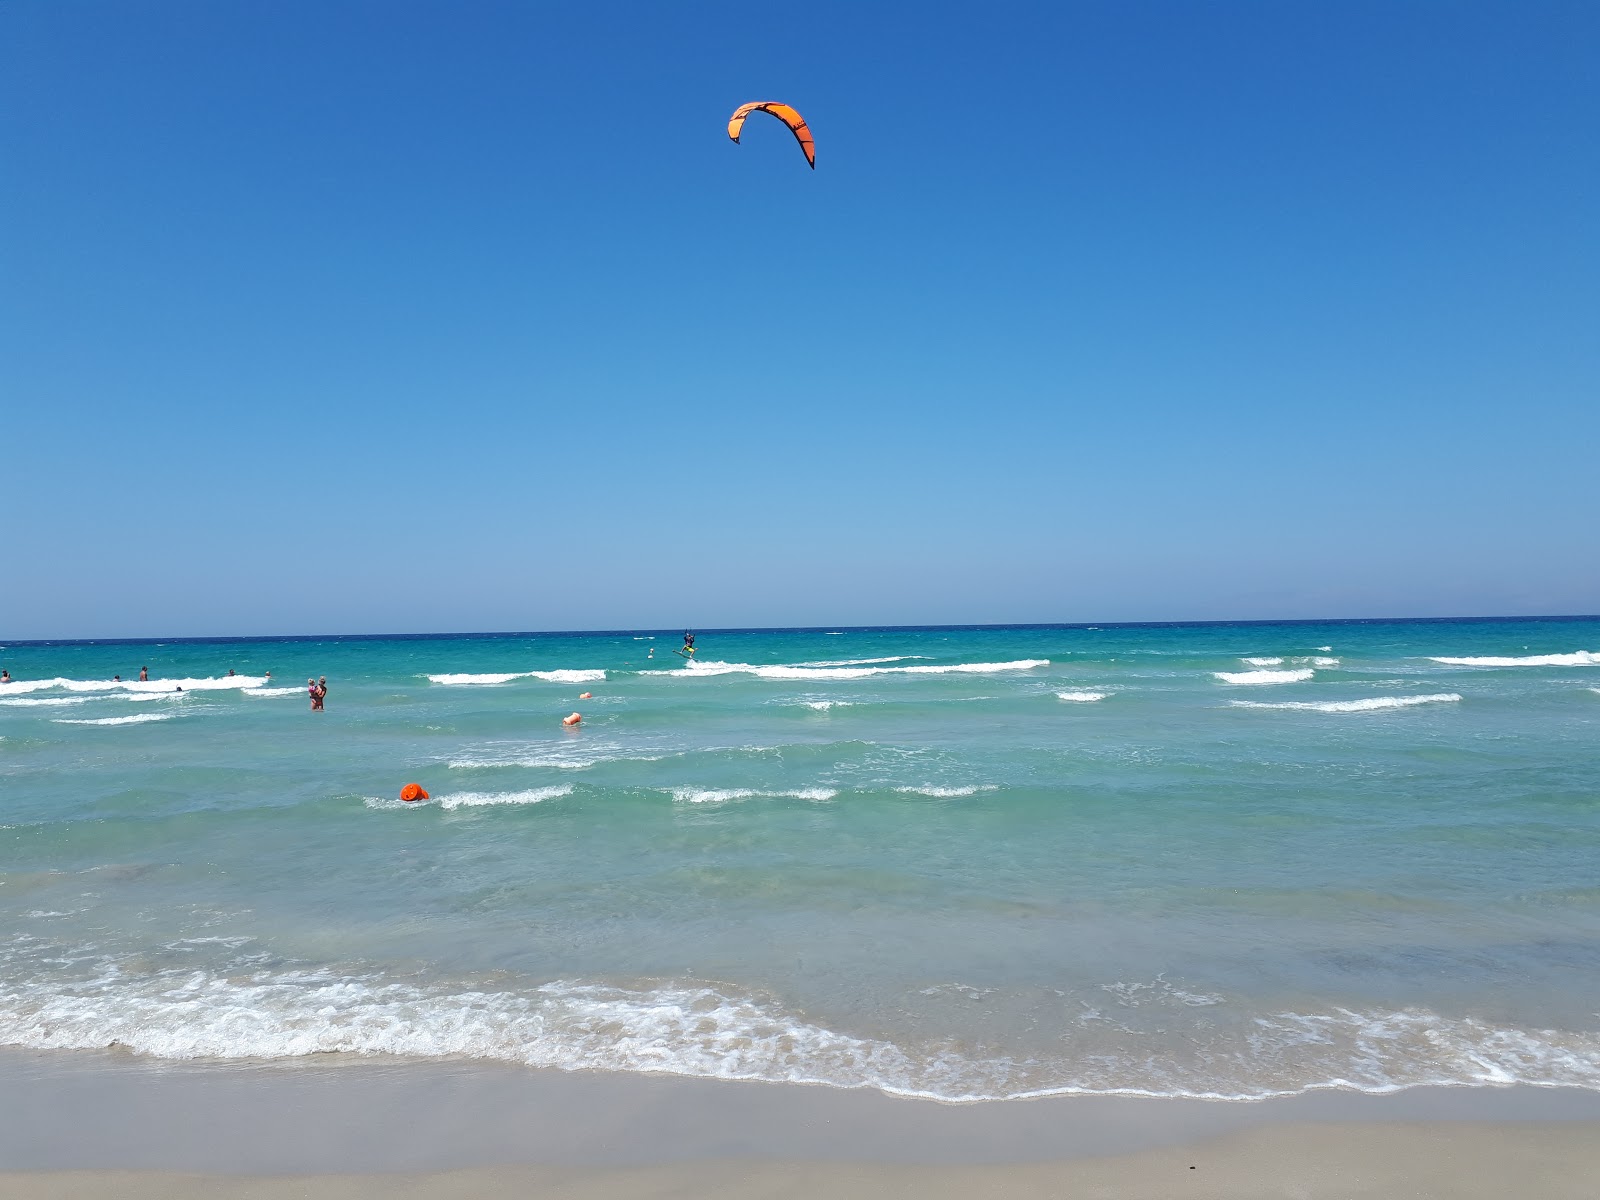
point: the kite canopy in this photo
(789, 116)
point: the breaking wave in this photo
(1082, 697)
(860, 672)
(563, 676)
(1252, 677)
(135, 719)
(690, 795)
(947, 793)
(714, 1032)
(219, 683)
(1374, 704)
(1578, 658)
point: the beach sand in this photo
(1308, 1162)
(104, 1125)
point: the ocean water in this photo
(1223, 860)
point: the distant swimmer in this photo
(5, 676)
(116, 679)
(230, 672)
(144, 674)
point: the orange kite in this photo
(789, 116)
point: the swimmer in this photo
(230, 672)
(116, 679)
(144, 674)
(5, 676)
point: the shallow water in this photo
(1230, 860)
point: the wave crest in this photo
(1373, 704)
(1258, 677)
(1578, 658)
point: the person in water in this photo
(688, 644)
(144, 674)
(230, 672)
(316, 697)
(322, 689)
(116, 679)
(5, 676)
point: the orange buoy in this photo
(413, 791)
(569, 722)
(585, 695)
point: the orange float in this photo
(569, 722)
(411, 792)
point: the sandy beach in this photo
(358, 1129)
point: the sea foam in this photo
(1578, 658)
(715, 1032)
(861, 672)
(1082, 697)
(1372, 704)
(135, 719)
(690, 795)
(561, 676)
(1299, 675)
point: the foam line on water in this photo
(826, 673)
(135, 719)
(208, 684)
(692, 795)
(1299, 675)
(1578, 658)
(713, 1031)
(1372, 704)
(947, 793)
(485, 799)
(1082, 697)
(275, 691)
(497, 677)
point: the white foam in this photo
(1324, 662)
(21, 701)
(1082, 697)
(568, 756)
(691, 795)
(275, 691)
(825, 705)
(1298, 660)
(947, 793)
(481, 799)
(1373, 704)
(136, 719)
(1578, 658)
(712, 1032)
(561, 676)
(697, 667)
(1299, 675)
(218, 683)
(1262, 662)
(860, 662)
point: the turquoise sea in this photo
(1216, 860)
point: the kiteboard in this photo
(689, 654)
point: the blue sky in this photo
(375, 317)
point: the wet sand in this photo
(93, 1125)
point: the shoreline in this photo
(380, 1116)
(93, 1125)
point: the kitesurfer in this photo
(688, 644)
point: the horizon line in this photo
(575, 633)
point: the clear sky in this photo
(387, 316)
